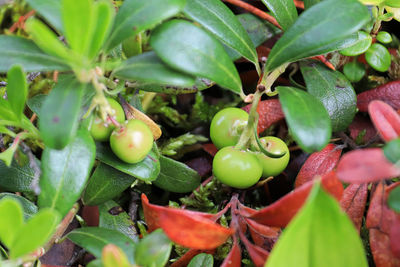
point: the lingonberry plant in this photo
(230, 116)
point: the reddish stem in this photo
(21, 21)
(114, 121)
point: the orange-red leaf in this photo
(385, 119)
(282, 211)
(262, 229)
(269, 111)
(210, 148)
(258, 255)
(192, 231)
(364, 166)
(234, 257)
(353, 202)
(318, 163)
(388, 93)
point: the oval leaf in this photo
(330, 238)
(318, 30)
(353, 203)
(50, 10)
(363, 43)
(283, 10)
(17, 178)
(217, 18)
(153, 250)
(378, 57)
(392, 151)
(17, 90)
(333, 90)
(385, 119)
(202, 260)
(176, 177)
(188, 48)
(388, 93)
(65, 172)
(364, 166)
(354, 71)
(307, 118)
(12, 220)
(29, 208)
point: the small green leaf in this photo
(384, 37)
(17, 178)
(18, 50)
(147, 68)
(327, 237)
(60, 112)
(176, 177)
(354, 71)
(202, 260)
(17, 90)
(6, 113)
(105, 184)
(7, 155)
(11, 221)
(29, 208)
(217, 18)
(39, 228)
(333, 90)
(133, 45)
(94, 239)
(307, 118)
(310, 3)
(378, 57)
(135, 16)
(153, 250)
(363, 43)
(50, 10)
(190, 49)
(283, 10)
(65, 172)
(112, 216)
(394, 199)
(392, 151)
(318, 30)
(146, 170)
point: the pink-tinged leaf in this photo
(353, 202)
(258, 255)
(269, 111)
(262, 241)
(364, 166)
(318, 163)
(193, 231)
(188, 256)
(388, 93)
(246, 211)
(152, 213)
(362, 123)
(395, 237)
(263, 229)
(234, 257)
(385, 119)
(379, 222)
(282, 211)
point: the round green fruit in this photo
(273, 166)
(238, 169)
(101, 130)
(226, 126)
(132, 142)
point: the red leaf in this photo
(379, 222)
(282, 211)
(262, 229)
(192, 231)
(210, 148)
(364, 166)
(152, 213)
(188, 256)
(394, 235)
(91, 215)
(318, 163)
(359, 124)
(270, 112)
(258, 255)
(234, 257)
(353, 202)
(388, 93)
(385, 119)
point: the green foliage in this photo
(283, 10)
(202, 260)
(174, 145)
(153, 250)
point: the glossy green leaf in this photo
(283, 10)
(94, 239)
(378, 57)
(16, 178)
(392, 3)
(384, 37)
(392, 151)
(354, 71)
(153, 250)
(29, 208)
(333, 90)
(60, 112)
(321, 234)
(17, 90)
(105, 184)
(318, 30)
(202, 260)
(190, 49)
(148, 68)
(135, 16)
(112, 216)
(307, 118)
(146, 170)
(65, 172)
(50, 10)
(176, 177)
(39, 228)
(217, 18)
(310, 3)
(394, 199)
(18, 50)
(363, 43)
(11, 221)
